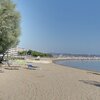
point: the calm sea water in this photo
(93, 65)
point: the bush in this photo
(34, 53)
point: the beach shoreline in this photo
(49, 82)
(55, 62)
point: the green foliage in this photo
(9, 25)
(23, 53)
(34, 53)
(29, 52)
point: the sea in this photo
(92, 65)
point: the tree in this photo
(23, 53)
(29, 52)
(9, 26)
(36, 54)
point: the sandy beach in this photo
(49, 82)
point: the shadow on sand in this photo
(30, 68)
(90, 82)
(1, 71)
(95, 73)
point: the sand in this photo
(49, 82)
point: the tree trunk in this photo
(2, 58)
(8, 61)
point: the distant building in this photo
(14, 51)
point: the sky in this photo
(60, 26)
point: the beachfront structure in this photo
(14, 51)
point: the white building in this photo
(14, 51)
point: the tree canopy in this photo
(9, 25)
(34, 53)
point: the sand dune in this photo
(49, 82)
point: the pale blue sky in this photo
(68, 26)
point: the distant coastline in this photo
(74, 55)
(77, 58)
